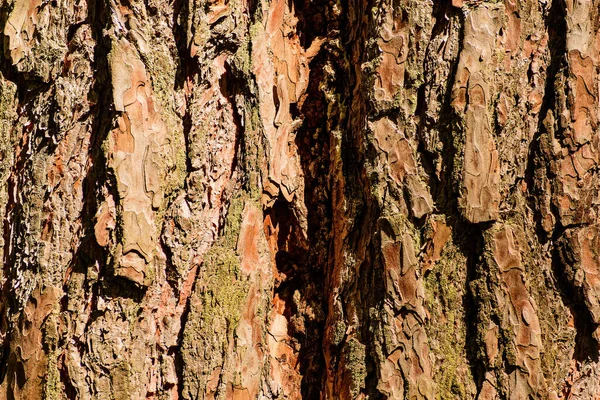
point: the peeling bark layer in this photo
(299, 199)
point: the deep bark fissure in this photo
(231, 87)
(364, 243)
(586, 346)
(312, 139)
(298, 286)
(537, 160)
(303, 262)
(187, 72)
(471, 300)
(176, 351)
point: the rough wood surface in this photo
(284, 199)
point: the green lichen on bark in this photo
(215, 305)
(353, 359)
(120, 381)
(7, 117)
(446, 329)
(52, 385)
(225, 287)
(224, 292)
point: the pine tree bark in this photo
(241, 199)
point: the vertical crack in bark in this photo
(540, 171)
(313, 144)
(175, 351)
(187, 70)
(538, 161)
(302, 257)
(586, 346)
(440, 126)
(355, 292)
(472, 304)
(89, 257)
(441, 187)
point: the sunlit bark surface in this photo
(285, 199)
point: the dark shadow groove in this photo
(176, 351)
(299, 284)
(304, 261)
(187, 72)
(586, 346)
(469, 239)
(90, 254)
(538, 161)
(363, 292)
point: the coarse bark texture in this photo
(284, 199)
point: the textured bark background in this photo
(240, 199)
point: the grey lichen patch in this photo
(37, 56)
(162, 70)
(29, 248)
(48, 59)
(242, 58)
(7, 103)
(176, 173)
(254, 150)
(214, 23)
(557, 333)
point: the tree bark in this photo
(241, 199)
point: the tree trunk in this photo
(320, 199)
